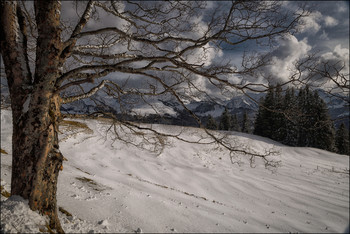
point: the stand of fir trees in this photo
(211, 124)
(229, 122)
(245, 123)
(225, 120)
(235, 124)
(295, 118)
(342, 140)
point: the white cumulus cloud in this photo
(290, 49)
(311, 23)
(330, 21)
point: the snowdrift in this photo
(108, 185)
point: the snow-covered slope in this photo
(111, 186)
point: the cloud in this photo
(311, 23)
(204, 55)
(315, 21)
(341, 7)
(324, 35)
(330, 21)
(290, 49)
(339, 54)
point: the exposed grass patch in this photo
(86, 180)
(64, 211)
(92, 184)
(3, 151)
(71, 123)
(82, 170)
(4, 192)
(72, 127)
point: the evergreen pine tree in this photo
(342, 140)
(258, 127)
(264, 121)
(277, 117)
(315, 126)
(234, 123)
(211, 124)
(245, 123)
(305, 119)
(225, 120)
(323, 132)
(297, 121)
(289, 130)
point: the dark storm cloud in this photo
(326, 31)
(332, 20)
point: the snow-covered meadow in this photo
(110, 186)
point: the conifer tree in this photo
(323, 132)
(289, 130)
(342, 140)
(245, 123)
(277, 117)
(225, 121)
(211, 124)
(258, 127)
(297, 121)
(264, 121)
(315, 126)
(305, 119)
(234, 123)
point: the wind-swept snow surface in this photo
(111, 186)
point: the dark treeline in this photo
(229, 122)
(294, 117)
(299, 118)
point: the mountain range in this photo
(166, 110)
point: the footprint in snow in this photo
(75, 196)
(91, 198)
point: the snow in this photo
(156, 107)
(111, 186)
(16, 217)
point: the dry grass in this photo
(86, 180)
(83, 171)
(3, 151)
(93, 184)
(71, 123)
(71, 126)
(64, 211)
(4, 192)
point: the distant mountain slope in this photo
(172, 110)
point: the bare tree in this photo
(165, 47)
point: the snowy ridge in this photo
(110, 186)
(166, 105)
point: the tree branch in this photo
(85, 95)
(70, 43)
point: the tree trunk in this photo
(36, 158)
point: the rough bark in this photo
(37, 159)
(36, 109)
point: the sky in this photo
(325, 31)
